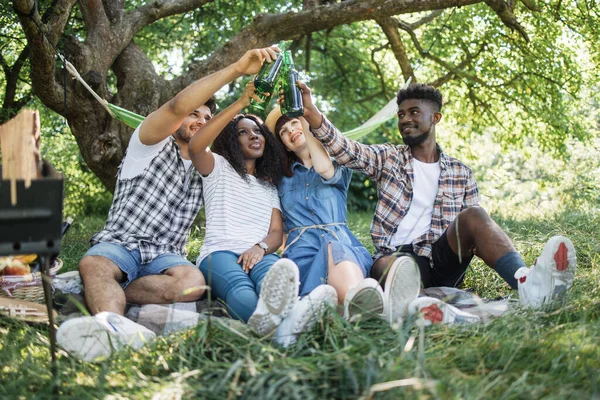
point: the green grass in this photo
(552, 354)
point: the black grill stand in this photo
(33, 225)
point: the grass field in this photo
(551, 354)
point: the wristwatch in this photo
(263, 246)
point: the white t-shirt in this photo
(238, 213)
(417, 220)
(139, 156)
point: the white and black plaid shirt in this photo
(153, 212)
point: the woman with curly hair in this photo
(243, 217)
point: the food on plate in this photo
(13, 266)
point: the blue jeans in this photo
(230, 283)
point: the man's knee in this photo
(475, 212)
(190, 279)
(91, 267)
(473, 217)
(381, 267)
(196, 279)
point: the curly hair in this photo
(421, 91)
(268, 169)
(288, 157)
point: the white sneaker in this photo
(435, 311)
(364, 299)
(402, 285)
(93, 338)
(305, 314)
(551, 275)
(278, 294)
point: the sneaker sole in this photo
(368, 302)
(279, 292)
(404, 286)
(563, 265)
(278, 301)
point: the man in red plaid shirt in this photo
(428, 209)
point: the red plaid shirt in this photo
(391, 167)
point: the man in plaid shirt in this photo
(428, 208)
(139, 255)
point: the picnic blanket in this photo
(468, 301)
(164, 319)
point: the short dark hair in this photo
(212, 105)
(420, 91)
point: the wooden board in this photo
(19, 145)
(24, 310)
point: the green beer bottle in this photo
(292, 103)
(266, 80)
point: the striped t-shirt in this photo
(238, 213)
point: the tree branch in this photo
(269, 28)
(58, 19)
(308, 49)
(5, 66)
(461, 66)
(505, 12)
(388, 25)
(378, 68)
(372, 96)
(443, 79)
(42, 56)
(531, 5)
(27, 97)
(12, 38)
(337, 63)
(16, 68)
(113, 10)
(149, 13)
(457, 70)
(94, 17)
(12, 78)
(426, 19)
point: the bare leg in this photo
(101, 279)
(343, 276)
(479, 235)
(180, 283)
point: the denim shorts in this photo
(130, 262)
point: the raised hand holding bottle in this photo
(292, 103)
(266, 81)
